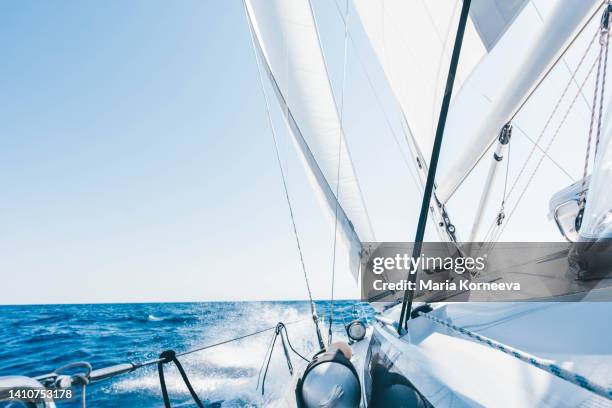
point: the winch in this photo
(330, 380)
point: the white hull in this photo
(451, 370)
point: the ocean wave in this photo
(112, 334)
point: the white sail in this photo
(493, 17)
(288, 43)
(478, 127)
(416, 69)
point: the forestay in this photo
(288, 44)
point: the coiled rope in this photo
(542, 364)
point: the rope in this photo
(501, 221)
(565, 64)
(552, 139)
(539, 163)
(553, 113)
(553, 65)
(605, 39)
(542, 364)
(169, 356)
(56, 379)
(236, 338)
(603, 47)
(495, 223)
(333, 277)
(281, 330)
(603, 57)
(284, 180)
(548, 156)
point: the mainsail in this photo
(287, 41)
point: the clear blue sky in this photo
(136, 162)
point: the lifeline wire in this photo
(545, 365)
(55, 379)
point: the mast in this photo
(435, 154)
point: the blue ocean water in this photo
(40, 338)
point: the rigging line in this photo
(548, 156)
(606, 41)
(554, 64)
(266, 364)
(591, 126)
(586, 102)
(383, 111)
(553, 113)
(280, 331)
(169, 356)
(348, 153)
(490, 232)
(236, 338)
(266, 358)
(280, 166)
(555, 134)
(507, 173)
(544, 76)
(284, 327)
(496, 234)
(342, 91)
(120, 369)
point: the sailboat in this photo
(473, 83)
(436, 351)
